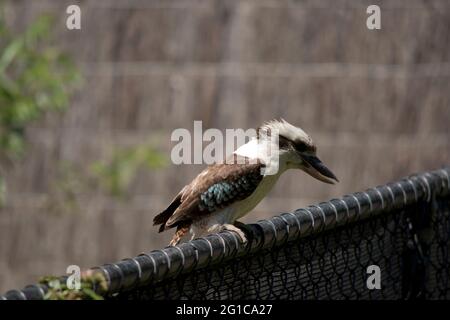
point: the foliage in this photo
(93, 284)
(116, 174)
(35, 77)
(112, 176)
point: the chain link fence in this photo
(320, 252)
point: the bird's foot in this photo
(240, 232)
(230, 227)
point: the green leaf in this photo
(35, 77)
(91, 294)
(10, 52)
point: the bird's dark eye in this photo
(283, 142)
(302, 147)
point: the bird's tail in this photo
(162, 218)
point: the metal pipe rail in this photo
(171, 262)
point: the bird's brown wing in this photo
(215, 188)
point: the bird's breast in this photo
(242, 207)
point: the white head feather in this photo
(265, 148)
(287, 130)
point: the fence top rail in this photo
(159, 265)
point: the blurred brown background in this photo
(377, 103)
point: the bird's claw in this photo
(241, 233)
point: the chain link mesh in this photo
(332, 265)
(319, 252)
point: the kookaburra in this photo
(223, 193)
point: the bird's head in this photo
(297, 150)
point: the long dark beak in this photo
(315, 167)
